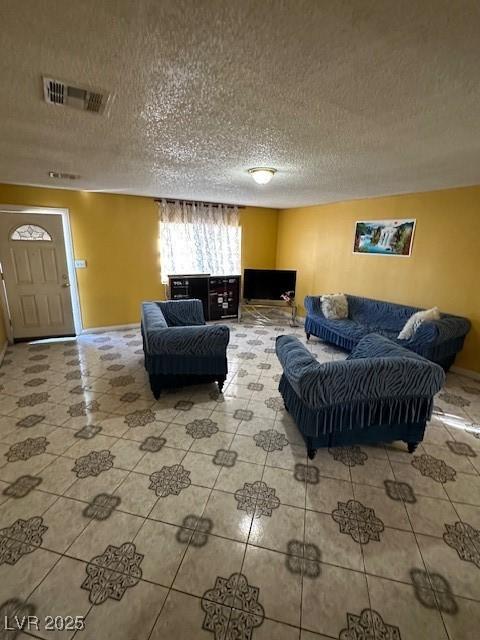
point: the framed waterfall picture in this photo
(384, 237)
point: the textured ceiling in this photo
(346, 99)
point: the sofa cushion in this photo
(379, 314)
(381, 331)
(197, 341)
(346, 328)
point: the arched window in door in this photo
(30, 232)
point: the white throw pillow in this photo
(335, 306)
(416, 320)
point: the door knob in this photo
(66, 284)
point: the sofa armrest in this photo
(438, 331)
(374, 380)
(182, 313)
(295, 359)
(313, 305)
(152, 317)
(374, 345)
(211, 340)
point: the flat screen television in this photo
(267, 284)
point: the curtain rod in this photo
(211, 204)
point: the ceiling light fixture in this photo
(262, 175)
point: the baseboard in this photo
(468, 373)
(2, 351)
(111, 327)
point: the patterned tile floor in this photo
(199, 516)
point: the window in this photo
(30, 232)
(198, 238)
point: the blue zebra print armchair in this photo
(180, 348)
(382, 392)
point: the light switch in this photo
(80, 264)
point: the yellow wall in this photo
(117, 235)
(443, 270)
(259, 237)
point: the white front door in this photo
(34, 263)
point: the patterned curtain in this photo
(199, 238)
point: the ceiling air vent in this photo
(60, 93)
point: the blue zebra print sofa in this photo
(180, 348)
(380, 393)
(436, 340)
